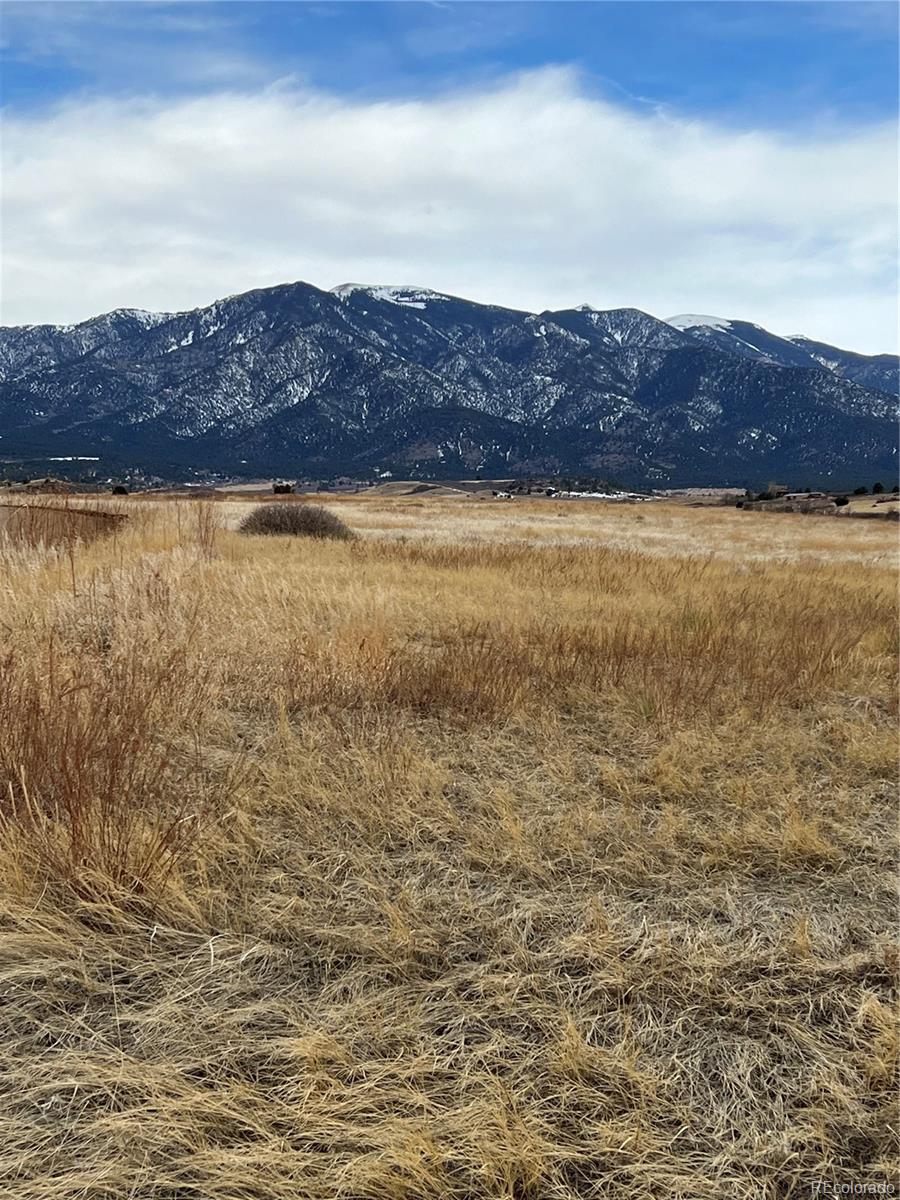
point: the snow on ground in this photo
(602, 496)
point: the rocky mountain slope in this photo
(296, 379)
(879, 371)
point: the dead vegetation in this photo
(33, 523)
(445, 869)
(298, 519)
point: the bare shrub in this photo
(295, 520)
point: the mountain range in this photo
(296, 380)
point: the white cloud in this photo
(531, 193)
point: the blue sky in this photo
(620, 99)
(779, 63)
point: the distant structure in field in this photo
(720, 493)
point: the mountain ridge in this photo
(375, 376)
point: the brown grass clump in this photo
(31, 523)
(93, 766)
(534, 869)
(295, 520)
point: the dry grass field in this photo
(510, 851)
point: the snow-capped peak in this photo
(411, 297)
(148, 319)
(343, 290)
(694, 320)
(141, 315)
(144, 315)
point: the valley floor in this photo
(512, 851)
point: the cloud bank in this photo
(530, 193)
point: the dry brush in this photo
(443, 868)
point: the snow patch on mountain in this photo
(410, 297)
(695, 321)
(148, 320)
(143, 316)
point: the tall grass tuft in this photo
(94, 765)
(208, 522)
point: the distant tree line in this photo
(878, 489)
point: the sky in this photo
(725, 158)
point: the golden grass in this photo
(529, 852)
(30, 521)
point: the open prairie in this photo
(509, 851)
